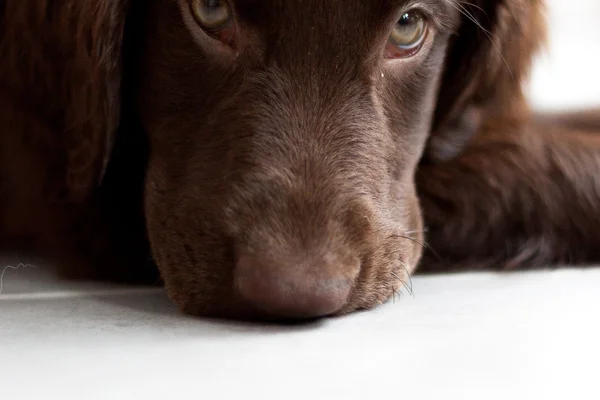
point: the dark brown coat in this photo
(287, 174)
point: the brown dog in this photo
(274, 158)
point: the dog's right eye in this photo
(215, 17)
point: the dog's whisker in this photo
(463, 10)
(415, 232)
(395, 293)
(408, 286)
(472, 5)
(420, 243)
(399, 293)
(409, 277)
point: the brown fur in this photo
(128, 137)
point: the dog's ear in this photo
(61, 60)
(487, 62)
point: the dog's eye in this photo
(407, 36)
(215, 17)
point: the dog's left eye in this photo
(215, 17)
(407, 36)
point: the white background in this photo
(567, 74)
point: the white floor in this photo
(470, 336)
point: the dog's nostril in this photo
(293, 291)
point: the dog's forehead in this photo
(342, 29)
(325, 4)
(351, 5)
(330, 10)
(334, 16)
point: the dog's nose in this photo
(294, 290)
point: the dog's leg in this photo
(528, 198)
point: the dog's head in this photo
(285, 134)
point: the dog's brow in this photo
(414, 3)
(443, 11)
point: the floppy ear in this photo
(61, 61)
(487, 62)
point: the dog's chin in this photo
(234, 308)
(209, 295)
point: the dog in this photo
(285, 159)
